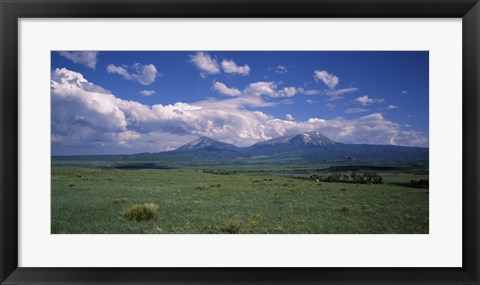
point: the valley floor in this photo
(192, 201)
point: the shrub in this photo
(141, 212)
(345, 208)
(201, 187)
(366, 178)
(232, 226)
(120, 200)
(422, 183)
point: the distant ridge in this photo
(205, 143)
(311, 145)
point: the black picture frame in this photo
(11, 11)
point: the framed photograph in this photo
(239, 142)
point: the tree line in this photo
(354, 177)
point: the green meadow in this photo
(249, 199)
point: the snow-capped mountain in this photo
(310, 145)
(275, 141)
(312, 138)
(203, 143)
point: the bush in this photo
(141, 212)
(366, 178)
(232, 226)
(422, 183)
(201, 187)
(345, 208)
(120, 200)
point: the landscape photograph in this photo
(239, 142)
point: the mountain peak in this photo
(275, 141)
(311, 138)
(205, 143)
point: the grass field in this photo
(252, 201)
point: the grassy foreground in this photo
(190, 201)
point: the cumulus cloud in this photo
(281, 69)
(87, 58)
(230, 67)
(205, 63)
(84, 114)
(364, 100)
(75, 101)
(269, 89)
(147, 93)
(287, 92)
(372, 129)
(224, 90)
(144, 74)
(328, 79)
(261, 88)
(289, 117)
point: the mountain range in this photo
(310, 145)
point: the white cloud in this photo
(289, 117)
(147, 93)
(87, 58)
(364, 100)
(230, 67)
(205, 63)
(309, 92)
(371, 129)
(356, 110)
(223, 89)
(404, 92)
(74, 104)
(261, 88)
(390, 107)
(144, 74)
(330, 106)
(287, 92)
(257, 89)
(281, 69)
(84, 114)
(338, 93)
(329, 79)
(309, 101)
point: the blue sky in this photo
(147, 101)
